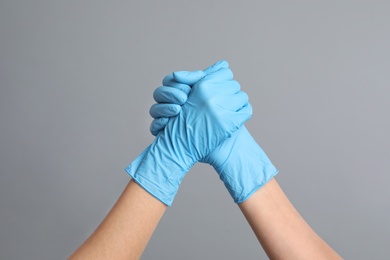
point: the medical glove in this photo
(240, 162)
(172, 94)
(214, 110)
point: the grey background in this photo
(76, 83)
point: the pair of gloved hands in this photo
(199, 116)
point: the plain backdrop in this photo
(76, 84)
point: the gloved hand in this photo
(240, 162)
(214, 110)
(172, 95)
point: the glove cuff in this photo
(246, 168)
(157, 174)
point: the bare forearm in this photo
(280, 229)
(127, 229)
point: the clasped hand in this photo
(199, 117)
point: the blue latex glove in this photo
(240, 162)
(172, 95)
(214, 110)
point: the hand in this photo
(240, 162)
(214, 110)
(172, 95)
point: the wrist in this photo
(158, 172)
(245, 168)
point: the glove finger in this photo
(191, 77)
(235, 102)
(164, 110)
(171, 82)
(170, 95)
(188, 77)
(222, 74)
(217, 66)
(158, 124)
(238, 118)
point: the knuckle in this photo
(245, 96)
(236, 84)
(229, 72)
(202, 86)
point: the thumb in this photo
(188, 77)
(191, 77)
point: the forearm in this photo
(280, 229)
(127, 229)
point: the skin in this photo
(280, 229)
(127, 229)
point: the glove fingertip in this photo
(240, 117)
(157, 125)
(168, 78)
(153, 109)
(182, 98)
(153, 132)
(157, 93)
(153, 128)
(247, 112)
(222, 64)
(175, 109)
